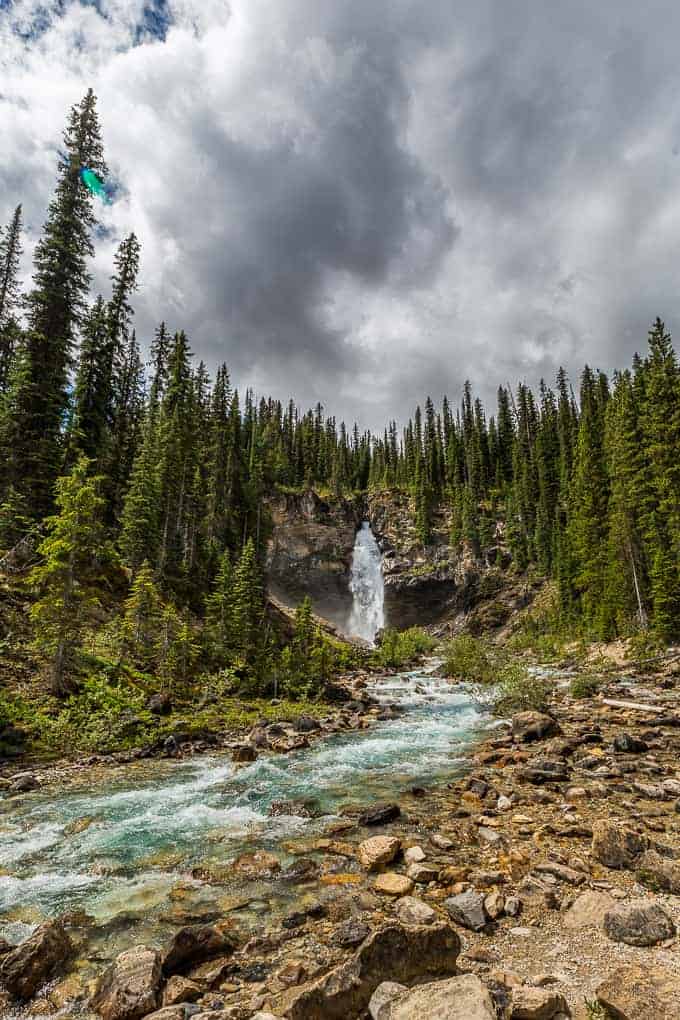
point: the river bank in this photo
(541, 848)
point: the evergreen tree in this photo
(10, 257)
(247, 604)
(31, 432)
(72, 551)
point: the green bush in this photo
(399, 648)
(584, 686)
(518, 690)
(469, 658)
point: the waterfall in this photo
(367, 586)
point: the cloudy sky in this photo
(365, 201)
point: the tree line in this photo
(166, 471)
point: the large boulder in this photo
(641, 992)
(195, 944)
(458, 998)
(615, 846)
(28, 966)
(393, 952)
(379, 850)
(588, 910)
(537, 1004)
(658, 873)
(639, 923)
(530, 726)
(129, 989)
(467, 910)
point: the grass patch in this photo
(585, 685)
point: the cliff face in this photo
(310, 553)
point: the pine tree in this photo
(140, 519)
(141, 619)
(219, 632)
(31, 436)
(10, 257)
(92, 392)
(73, 549)
(247, 604)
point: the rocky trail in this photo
(538, 880)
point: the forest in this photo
(140, 489)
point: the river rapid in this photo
(152, 845)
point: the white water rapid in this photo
(367, 586)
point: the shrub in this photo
(398, 648)
(468, 658)
(518, 690)
(584, 686)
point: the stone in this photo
(290, 808)
(537, 1004)
(414, 855)
(392, 884)
(543, 770)
(628, 744)
(257, 865)
(442, 842)
(641, 992)
(380, 814)
(494, 905)
(25, 783)
(503, 803)
(467, 910)
(458, 998)
(561, 872)
(639, 923)
(658, 873)
(381, 1001)
(394, 952)
(195, 944)
(576, 793)
(176, 1012)
(307, 724)
(588, 910)
(350, 933)
(28, 966)
(180, 989)
(129, 988)
(378, 850)
(615, 846)
(423, 873)
(411, 910)
(530, 726)
(264, 1016)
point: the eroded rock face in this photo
(458, 998)
(639, 923)
(28, 966)
(393, 952)
(129, 989)
(641, 993)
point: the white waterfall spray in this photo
(367, 586)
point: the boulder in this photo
(381, 1001)
(177, 1012)
(628, 744)
(530, 726)
(588, 910)
(242, 753)
(380, 814)
(257, 865)
(392, 884)
(537, 1004)
(180, 989)
(393, 952)
(350, 933)
(195, 944)
(27, 967)
(467, 910)
(658, 873)
(544, 770)
(641, 992)
(411, 910)
(129, 988)
(414, 855)
(458, 998)
(379, 850)
(639, 923)
(423, 873)
(615, 846)
(307, 724)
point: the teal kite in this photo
(94, 184)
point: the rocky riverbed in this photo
(541, 876)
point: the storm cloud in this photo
(363, 203)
